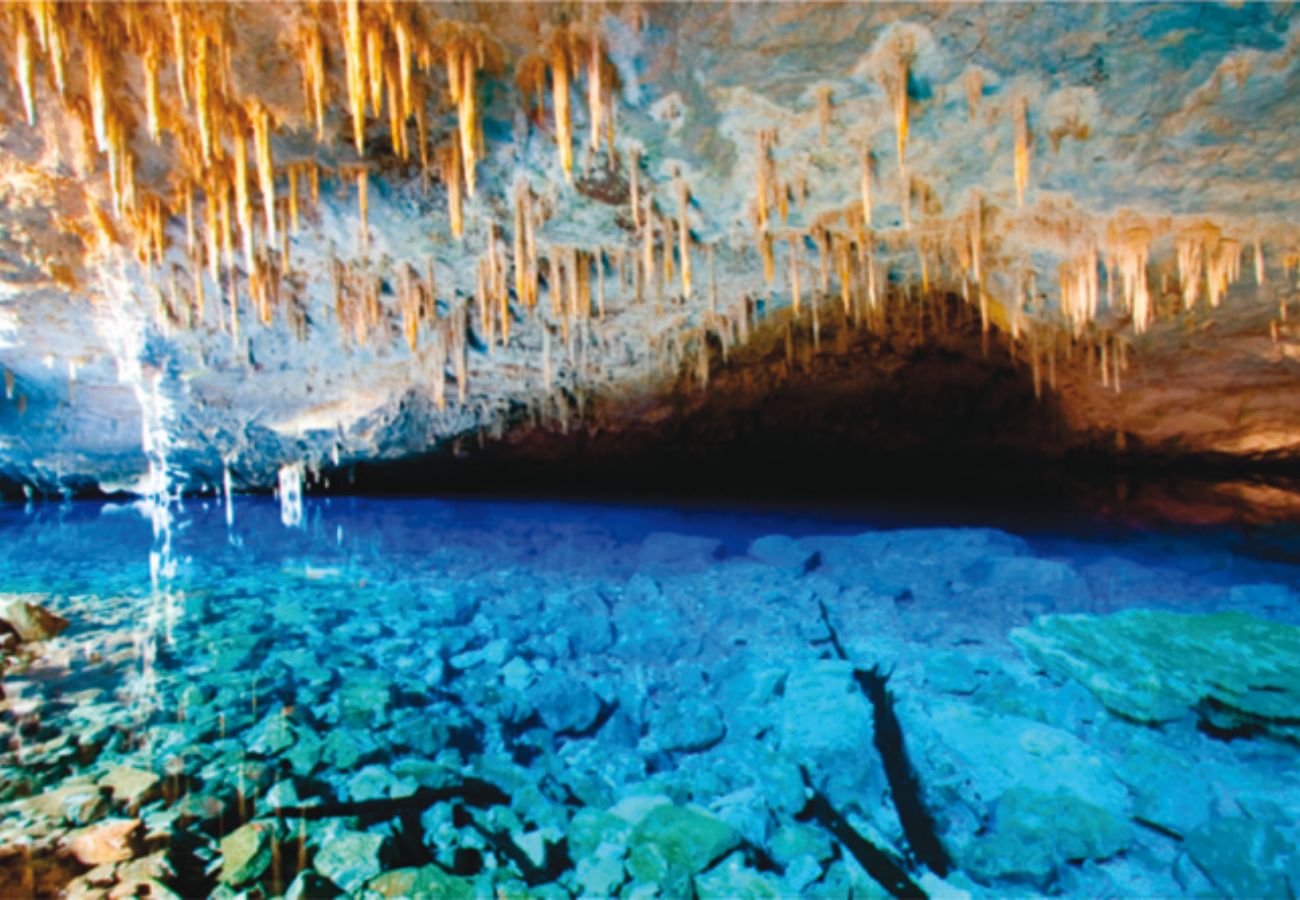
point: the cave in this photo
(648, 449)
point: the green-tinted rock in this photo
(427, 881)
(345, 747)
(793, 841)
(1155, 666)
(591, 828)
(1243, 857)
(246, 853)
(733, 880)
(599, 877)
(1168, 791)
(363, 699)
(274, 734)
(688, 838)
(1035, 833)
(350, 860)
(131, 787)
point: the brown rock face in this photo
(30, 621)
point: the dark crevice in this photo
(879, 864)
(904, 786)
(472, 792)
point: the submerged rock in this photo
(1245, 858)
(733, 880)
(687, 728)
(1035, 833)
(106, 841)
(1233, 670)
(28, 619)
(350, 860)
(131, 788)
(826, 724)
(426, 881)
(684, 837)
(977, 767)
(246, 853)
(565, 704)
(663, 553)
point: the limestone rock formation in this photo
(236, 237)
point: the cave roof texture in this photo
(244, 236)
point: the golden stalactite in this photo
(894, 78)
(243, 199)
(521, 260)
(354, 62)
(560, 59)
(1021, 118)
(684, 234)
(260, 117)
(1129, 248)
(467, 50)
(363, 205)
(450, 164)
(178, 16)
(315, 80)
(24, 60)
(152, 60)
(865, 186)
(291, 173)
(795, 293)
(595, 89)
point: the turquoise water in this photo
(477, 698)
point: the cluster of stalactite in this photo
(394, 71)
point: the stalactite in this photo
(648, 245)
(25, 62)
(600, 284)
(795, 295)
(243, 202)
(261, 119)
(363, 205)
(560, 64)
(684, 235)
(765, 250)
(634, 165)
(354, 61)
(1022, 149)
(449, 157)
(595, 90)
(866, 188)
(1129, 251)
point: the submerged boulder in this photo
(683, 837)
(246, 853)
(1245, 857)
(1233, 670)
(1035, 833)
(1049, 797)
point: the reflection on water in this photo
(408, 697)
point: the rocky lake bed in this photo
(425, 698)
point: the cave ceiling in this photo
(244, 236)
